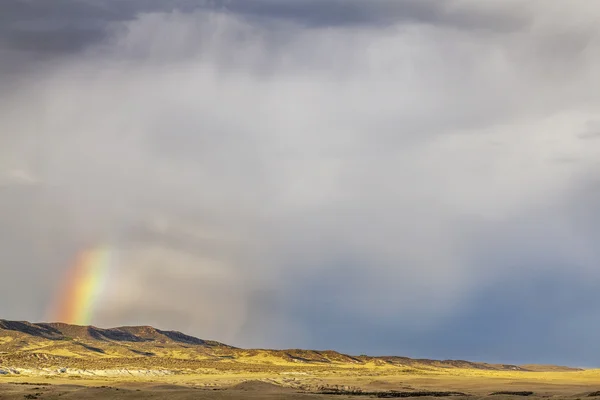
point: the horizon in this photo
(407, 177)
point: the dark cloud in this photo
(310, 12)
(375, 13)
(66, 26)
(50, 41)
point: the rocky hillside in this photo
(57, 345)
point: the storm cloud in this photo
(390, 177)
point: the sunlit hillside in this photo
(67, 352)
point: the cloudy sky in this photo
(402, 177)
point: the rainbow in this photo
(83, 287)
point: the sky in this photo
(402, 177)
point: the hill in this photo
(60, 347)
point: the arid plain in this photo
(51, 361)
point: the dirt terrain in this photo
(59, 361)
(247, 390)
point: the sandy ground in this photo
(573, 386)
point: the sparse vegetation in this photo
(511, 393)
(92, 356)
(355, 391)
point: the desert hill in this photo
(53, 345)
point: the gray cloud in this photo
(267, 166)
(592, 131)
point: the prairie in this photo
(51, 361)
